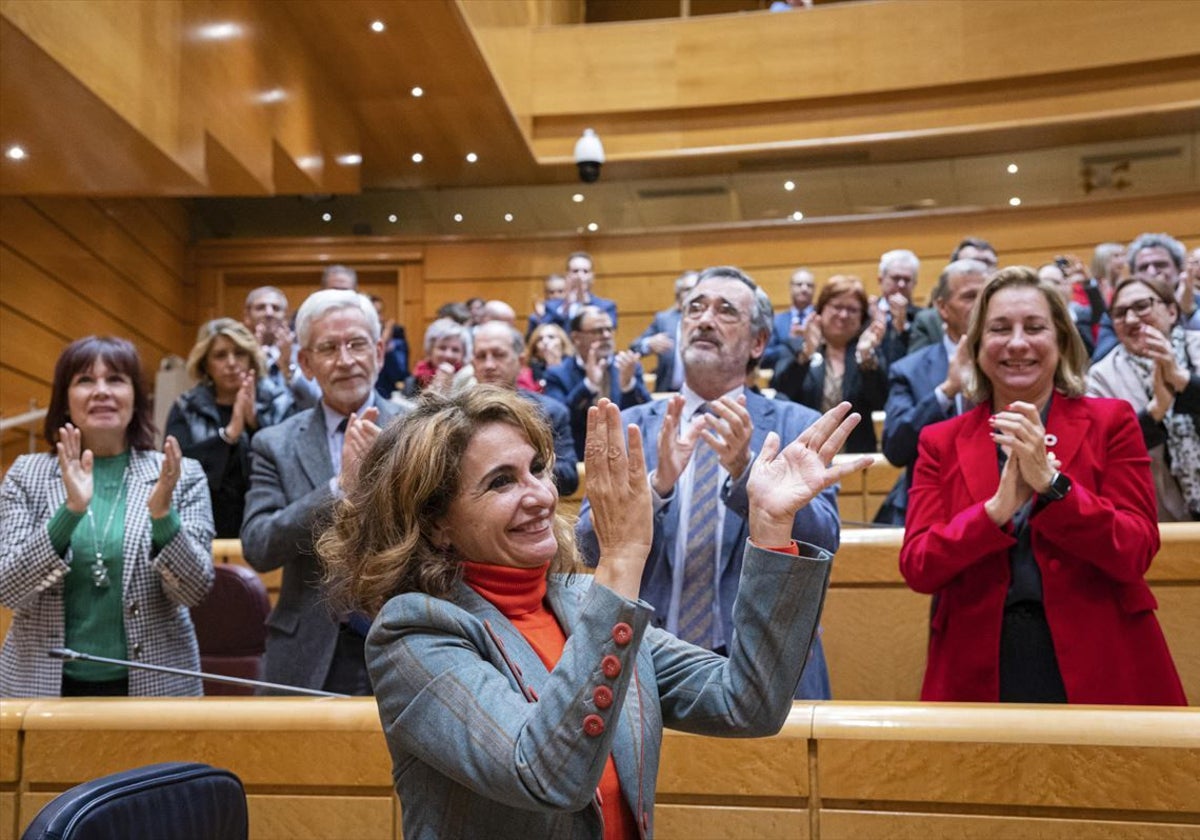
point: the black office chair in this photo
(177, 799)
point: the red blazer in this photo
(1093, 549)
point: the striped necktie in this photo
(699, 570)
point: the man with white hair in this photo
(897, 282)
(298, 469)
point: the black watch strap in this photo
(1060, 485)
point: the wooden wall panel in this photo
(907, 825)
(75, 267)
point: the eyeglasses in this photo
(358, 347)
(722, 310)
(1140, 308)
(846, 311)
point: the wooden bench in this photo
(320, 768)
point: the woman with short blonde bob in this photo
(1156, 369)
(1031, 522)
(520, 700)
(216, 419)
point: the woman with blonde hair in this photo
(216, 419)
(546, 347)
(519, 700)
(1031, 522)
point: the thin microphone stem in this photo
(67, 653)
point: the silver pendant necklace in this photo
(99, 569)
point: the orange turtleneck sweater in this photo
(520, 594)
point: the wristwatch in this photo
(1060, 485)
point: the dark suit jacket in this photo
(1092, 548)
(926, 330)
(566, 471)
(895, 342)
(816, 524)
(565, 383)
(781, 345)
(556, 313)
(911, 406)
(866, 391)
(666, 321)
(289, 499)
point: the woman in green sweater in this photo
(106, 542)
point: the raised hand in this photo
(159, 502)
(814, 336)
(620, 499)
(443, 379)
(727, 429)
(955, 371)
(626, 362)
(1019, 428)
(245, 412)
(1161, 395)
(898, 306)
(75, 464)
(360, 436)
(783, 481)
(675, 447)
(595, 365)
(660, 343)
(1013, 492)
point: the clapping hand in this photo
(620, 499)
(159, 502)
(1019, 428)
(75, 464)
(675, 447)
(783, 481)
(361, 432)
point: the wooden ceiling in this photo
(211, 98)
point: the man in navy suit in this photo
(580, 277)
(926, 386)
(662, 338)
(787, 332)
(597, 371)
(726, 326)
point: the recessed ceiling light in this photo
(1014, 201)
(458, 217)
(789, 185)
(417, 157)
(326, 217)
(577, 198)
(15, 153)
(593, 227)
(1013, 169)
(508, 217)
(393, 218)
(269, 97)
(472, 157)
(797, 216)
(349, 160)
(377, 26)
(417, 91)
(218, 31)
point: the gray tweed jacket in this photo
(288, 503)
(486, 742)
(158, 588)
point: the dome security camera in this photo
(589, 156)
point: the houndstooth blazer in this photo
(158, 589)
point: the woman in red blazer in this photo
(1032, 523)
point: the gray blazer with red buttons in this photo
(485, 742)
(158, 588)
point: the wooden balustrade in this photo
(317, 768)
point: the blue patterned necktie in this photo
(700, 563)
